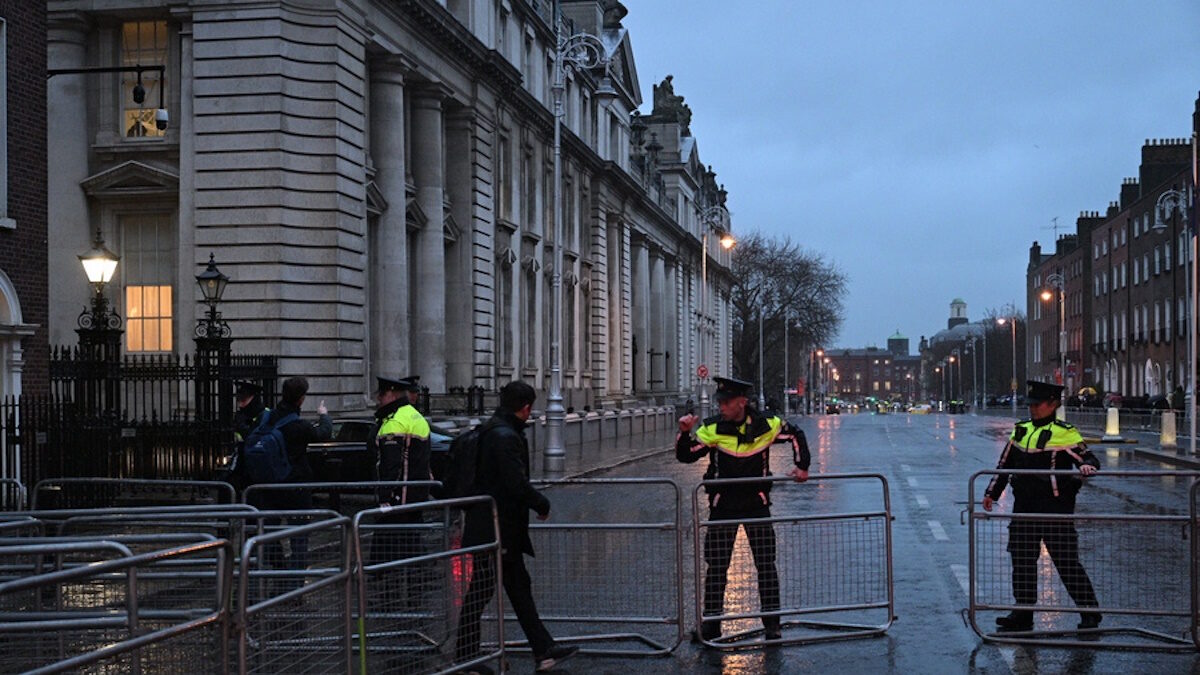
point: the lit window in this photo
(148, 318)
(143, 43)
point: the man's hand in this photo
(987, 503)
(799, 475)
(687, 422)
(321, 409)
(1087, 469)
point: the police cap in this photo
(247, 388)
(390, 383)
(1043, 391)
(729, 387)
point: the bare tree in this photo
(785, 283)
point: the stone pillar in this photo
(67, 163)
(641, 313)
(429, 313)
(671, 304)
(656, 360)
(460, 354)
(388, 257)
(618, 302)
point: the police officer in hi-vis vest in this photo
(1043, 442)
(401, 447)
(737, 443)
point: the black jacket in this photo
(297, 435)
(503, 473)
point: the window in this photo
(1136, 279)
(1123, 237)
(1114, 240)
(1167, 321)
(503, 183)
(1095, 251)
(1145, 223)
(1103, 247)
(1167, 255)
(1123, 279)
(147, 259)
(143, 43)
(1157, 261)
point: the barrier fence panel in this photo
(839, 524)
(12, 494)
(91, 493)
(293, 611)
(347, 498)
(1194, 512)
(413, 575)
(602, 581)
(67, 604)
(1124, 553)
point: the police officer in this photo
(1043, 442)
(249, 413)
(737, 443)
(400, 445)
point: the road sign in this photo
(702, 371)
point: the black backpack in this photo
(265, 453)
(462, 464)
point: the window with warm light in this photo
(148, 318)
(143, 43)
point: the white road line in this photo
(939, 533)
(964, 578)
(912, 482)
(905, 467)
(922, 501)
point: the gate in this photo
(1132, 531)
(853, 594)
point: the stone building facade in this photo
(23, 241)
(376, 177)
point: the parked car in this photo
(346, 458)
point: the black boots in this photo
(1089, 620)
(1014, 622)
(771, 628)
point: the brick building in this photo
(23, 238)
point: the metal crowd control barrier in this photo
(346, 498)
(1194, 511)
(99, 604)
(610, 586)
(1130, 534)
(293, 596)
(12, 494)
(834, 560)
(94, 492)
(413, 575)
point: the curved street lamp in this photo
(1012, 322)
(1057, 282)
(711, 218)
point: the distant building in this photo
(887, 374)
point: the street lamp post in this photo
(1168, 202)
(1056, 281)
(761, 389)
(577, 51)
(974, 378)
(1012, 321)
(983, 398)
(712, 217)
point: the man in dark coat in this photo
(503, 473)
(250, 408)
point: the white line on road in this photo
(939, 532)
(964, 579)
(922, 501)
(912, 482)
(905, 467)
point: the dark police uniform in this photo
(400, 444)
(1045, 444)
(740, 449)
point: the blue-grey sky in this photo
(921, 146)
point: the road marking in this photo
(912, 482)
(922, 501)
(939, 532)
(964, 578)
(905, 467)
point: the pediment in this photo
(131, 178)
(376, 204)
(414, 216)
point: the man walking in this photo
(737, 443)
(1043, 442)
(503, 473)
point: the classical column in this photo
(429, 311)
(388, 257)
(655, 360)
(67, 151)
(672, 303)
(641, 313)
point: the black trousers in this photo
(718, 551)
(1025, 539)
(398, 543)
(519, 589)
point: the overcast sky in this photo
(921, 146)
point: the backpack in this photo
(265, 453)
(462, 464)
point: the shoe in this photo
(1090, 620)
(1014, 622)
(771, 628)
(709, 630)
(555, 656)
